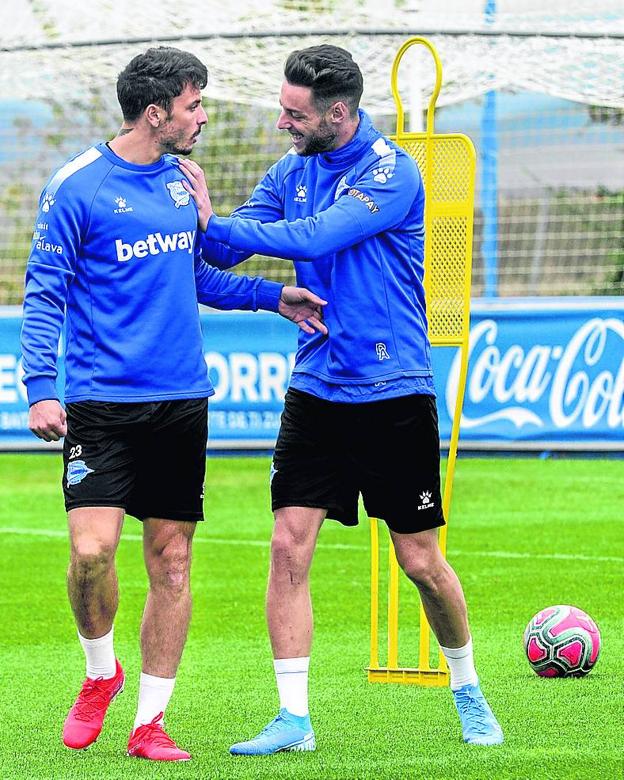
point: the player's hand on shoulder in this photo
(47, 420)
(195, 184)
(304, 308)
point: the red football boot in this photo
(151, 741)
(84, 722)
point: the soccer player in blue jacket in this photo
(115, 258)
(347, 206)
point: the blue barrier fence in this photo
(544, 374)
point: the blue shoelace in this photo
(475, 711)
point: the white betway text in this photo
(154, 244)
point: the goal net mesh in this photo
(64, 61)
(55, 47)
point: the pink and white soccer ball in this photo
(562, 641)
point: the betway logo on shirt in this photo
(154, 244)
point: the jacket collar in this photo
(346, 155)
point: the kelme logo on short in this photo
(425, 498)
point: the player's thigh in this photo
(418, 552)
(98, 454)
(398, 463)
(171, 465)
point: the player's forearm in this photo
(303, 239)
(220, 255)
(223, 290)
(43, 316)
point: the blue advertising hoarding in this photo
(543, 374)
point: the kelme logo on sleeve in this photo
(154, 244)
(48, 202)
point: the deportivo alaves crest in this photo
(178, 194)
(77, 470)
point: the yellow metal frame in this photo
(447, 163)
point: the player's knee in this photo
(288, 552)
(169, 568)
(424, 570)
(175, 579)
(90, 561)
(283, 545)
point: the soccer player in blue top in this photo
(115, 258)
(347, 205)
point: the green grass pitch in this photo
(524, 534)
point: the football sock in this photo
(100, 655)
(154, 695)
(292, 683)
(460, 662)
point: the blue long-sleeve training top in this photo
(353, 222)
(115, 257)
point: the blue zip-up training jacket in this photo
(353, 222)
(114, 255)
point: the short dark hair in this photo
(157, 76)
(330, 72)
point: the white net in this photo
(557, 68)
(573, 50)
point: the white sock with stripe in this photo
(291, 675)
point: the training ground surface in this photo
(523, 534)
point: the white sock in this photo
(154, 695)
(460, 662)
(100, 655)
(292, 683)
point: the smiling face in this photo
(310, 131)
(181, 126)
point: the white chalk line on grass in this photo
(55, 534)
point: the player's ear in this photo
(152, 114)
(339, 111)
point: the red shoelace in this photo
(154, 730)
(91, 699)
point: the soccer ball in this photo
(562, 641)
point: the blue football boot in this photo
(479, 726)
(285, 732)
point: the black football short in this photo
(147, 458)
(329, 453)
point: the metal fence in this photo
(559, 198)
